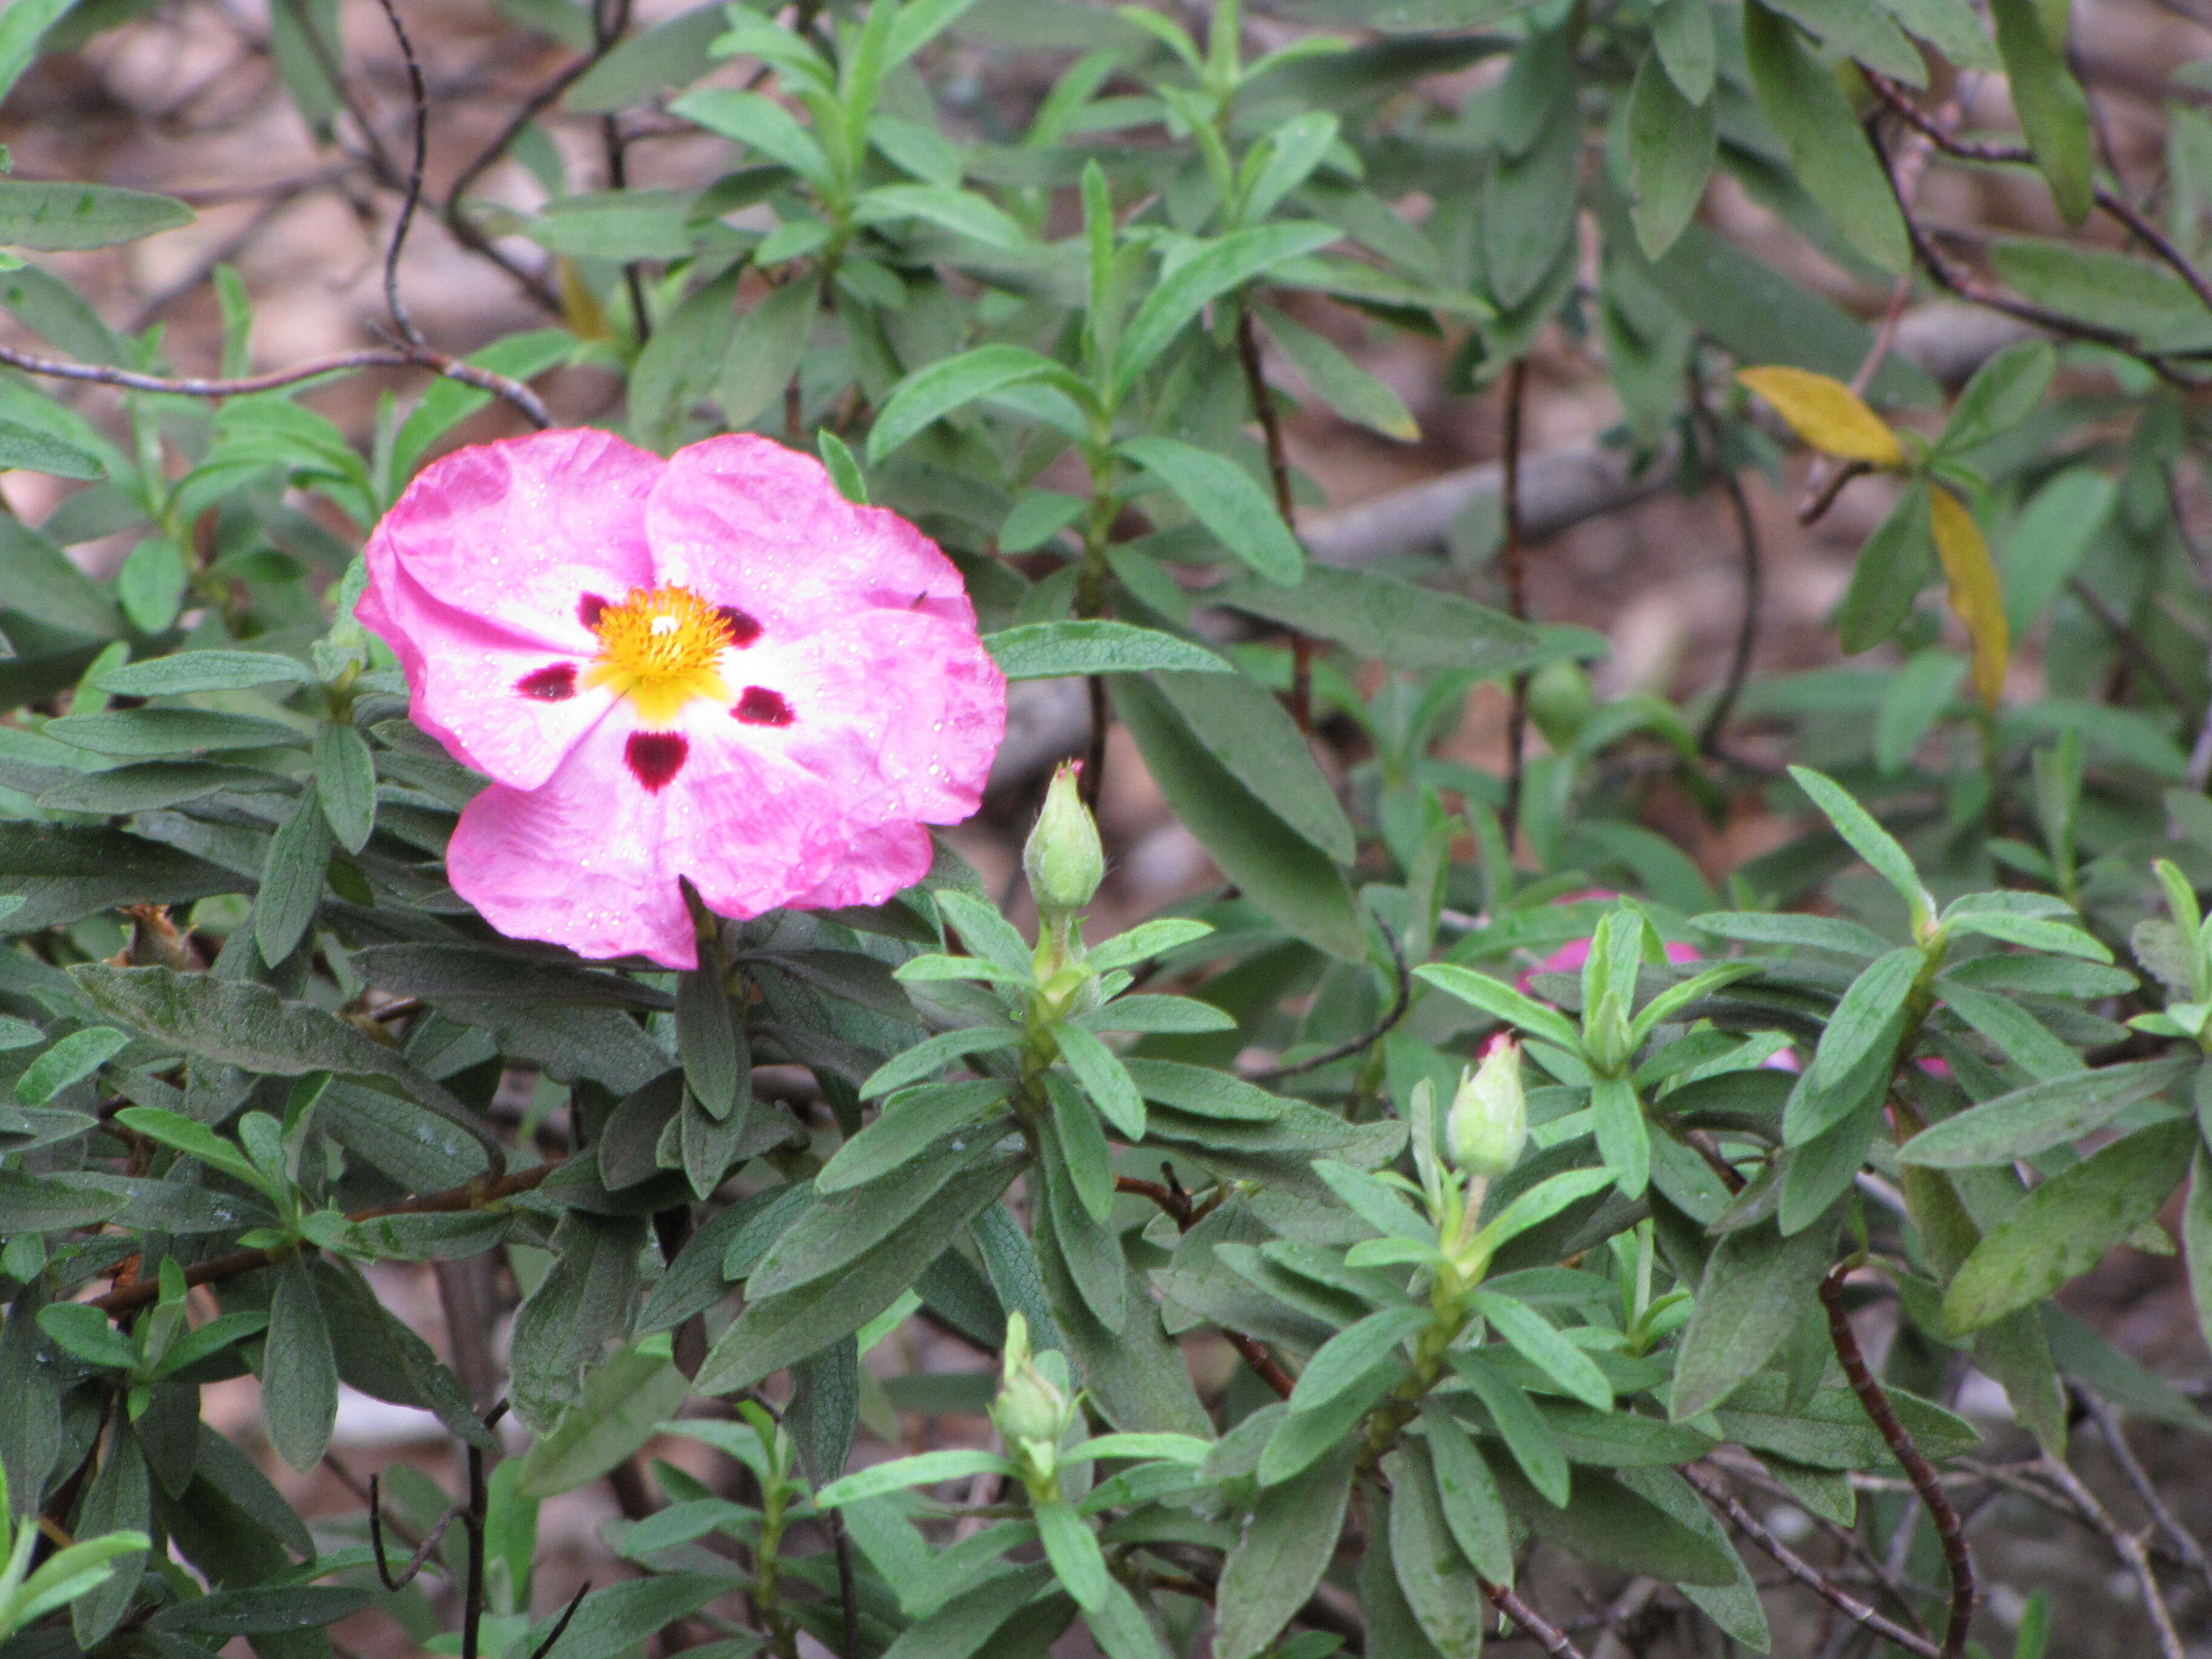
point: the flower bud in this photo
(1063, 861)
(1488, 1123)
(1031, 1411)
(1559, 701)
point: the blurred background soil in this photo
(186, 101)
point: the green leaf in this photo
(151, 586)
(1670, 155)
(54, 217)
(292, 879)
(1226, 500)
(936, 389)
(1860, 30)
(2067, 1224)
(1376, 1203)
(1280, 1560)
(1867, 838)
(195, 1140)
(1534, 1448)
(765, 351)
(1038, 651)
(710, 1043)
(1400, 622)
(43, 585)
(1605, 1523)
(1339, 381)
(1223, 265)
(1347, 1357)
(1624, 1139)
(1500, 1000)
(1250, 734)
(2053, 109)
(1088, 1161)
(26, 446)
(1682, 32)
(624, 1401)
(1105, 1079)
(760, 124)
(120, 1500)
(1537, 1340)
(1830, 154)
(85, 1332)
(2106, 288)
(775, 1330)
(1917, 700)
(962, 212)
(2033, 932)
(72, 1059)
(622, 1616)
(203, 671)
(2004, 392)
(1073, 1549)
(1437, 1583)
(911, 1122)
(1472, 1508)
(1865, 1017)
(149, 732)
(251, 1026)
(1277, 867)
(933, 1052)
(299, 1376)
(1756, 1286)
(2049, 539)
(1200, 1089)
(1950, 27)
(672, 54)
(345, 784)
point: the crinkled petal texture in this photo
(861, 704)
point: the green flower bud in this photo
(1063, 861)
(1559, 701)
(1031, 1411)
(1488, 1123)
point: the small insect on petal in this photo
(655, 758)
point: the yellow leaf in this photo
(580, 307)
(1975, 594)
(1827, 414)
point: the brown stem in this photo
(1815, 506)
(412, 196)
(1804, 1571)
(1537, 1628)
(1399, 1003)
(2125, 1545)
(393, 356)
(1177, 1203)
(1958, 1561)
(471, 1195)
(1092, 779)
(1278, 473)
(1747, 530)
(1517, 590)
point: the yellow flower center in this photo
(660, 648)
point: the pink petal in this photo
(519, 532)
(876, 862)
(590, 859)
(899, 713)
(482, 690)
(743, 521)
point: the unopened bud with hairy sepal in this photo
(1488, 1123)
(1063, 859)
(1031, 1411)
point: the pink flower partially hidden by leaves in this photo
(712, 667)
(1569, 958)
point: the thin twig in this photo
(1399, 1003)
(1747, 530)
(1537, 1628)
(412, 196)
(2184, 1541)
(2125, 1545)
(471, 1195)
(430, 1541)
(2139, 656)
(1874, 1399)
(1262, 397)
(391, 357)
(2111, 203)
(1804, 1571)
(1178, 1205)
(1517, 590)
(1814, 507)
(560, 1624)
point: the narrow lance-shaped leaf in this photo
(1976, 594)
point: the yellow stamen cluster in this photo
(660, 648)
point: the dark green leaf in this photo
(1039, 651)
(51, 217)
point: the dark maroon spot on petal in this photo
(590, 608)
(555, 683)
(761, 707)
(654, 757)
(744, 630)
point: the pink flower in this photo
(712, 666)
